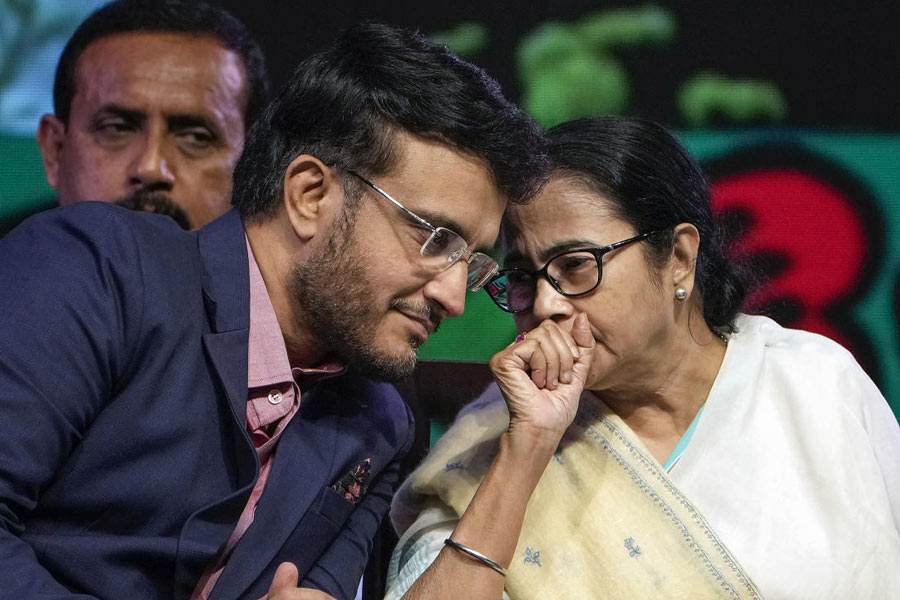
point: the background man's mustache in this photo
(156, 202)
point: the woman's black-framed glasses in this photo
(571, 273)
(444, 247)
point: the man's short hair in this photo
(164, 16)
(345, 106)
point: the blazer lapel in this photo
(227, 352)
(226, 295)
(304, 462)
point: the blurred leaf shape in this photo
(466, 39)
(567, 70)
(709, 98)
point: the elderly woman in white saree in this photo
(644, 439)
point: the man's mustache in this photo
(156, 202)
(433, 314)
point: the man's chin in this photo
(382, 366)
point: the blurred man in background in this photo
(152, 100)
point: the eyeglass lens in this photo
(571, 274)
(574, 273)
(444, 244)
(447, 247)
(481, 268)
(513, 291)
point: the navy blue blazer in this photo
(124, 456)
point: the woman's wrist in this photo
(530, 444)
(533, 434)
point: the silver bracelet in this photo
(476, 555)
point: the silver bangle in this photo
(476, 555)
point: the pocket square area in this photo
(353, 485)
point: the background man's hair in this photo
(164, 16)
(345, 106)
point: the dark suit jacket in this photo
(124, 457)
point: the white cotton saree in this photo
(789, 488)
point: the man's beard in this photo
(156, 202)
(336, 300)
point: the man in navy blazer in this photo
(136, 460)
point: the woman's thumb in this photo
(581, 333)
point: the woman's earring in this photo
(681, 293)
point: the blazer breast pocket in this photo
(333, 506)
(316, 530)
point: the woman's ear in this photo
(312, 192)
(685, 248)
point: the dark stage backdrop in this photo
(791, 106)
(835, 62)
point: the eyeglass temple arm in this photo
(394, 202)
(629, 240)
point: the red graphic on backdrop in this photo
(812, 226)
(812, 229)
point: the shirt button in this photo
(275, 397)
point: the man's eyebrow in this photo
(441, 220)
(121, 111)
(173, 122)
(187, 121)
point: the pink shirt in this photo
(273, 398)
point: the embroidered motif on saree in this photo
(604, 522)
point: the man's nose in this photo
(448, 288)
(152, 168)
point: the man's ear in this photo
(51, 134)
(312, 192)
(684, 256)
